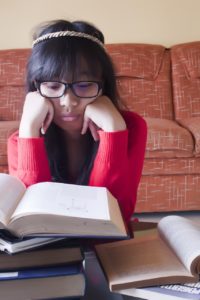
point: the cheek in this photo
(55, 103)
(85, 102)
(57, 109)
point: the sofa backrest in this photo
(12, 83)
(144, 78)
(186, 79)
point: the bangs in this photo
(65, 59)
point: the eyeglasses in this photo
(81, 89)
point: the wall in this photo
(165, 22)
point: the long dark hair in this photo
(57, 57)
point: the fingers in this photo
(85, 125)
(48, 119)
(94, 131)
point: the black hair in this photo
(54, 59)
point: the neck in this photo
(76, 147)
(72, 136)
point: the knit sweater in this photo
(117, 165)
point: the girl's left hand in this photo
(102, 114)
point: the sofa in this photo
(161, 84)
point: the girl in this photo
(71, 129)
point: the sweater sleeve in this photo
(27, 159)
(119, 162)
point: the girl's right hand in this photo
(37, 115)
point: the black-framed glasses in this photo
(81, 89)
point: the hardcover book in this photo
(43, 283)
(171, 256)
(40, 258)
(58, 209)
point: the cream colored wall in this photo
(165, 22)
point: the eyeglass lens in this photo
(83, 89)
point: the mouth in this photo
(69, 117)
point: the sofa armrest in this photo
(193, 125)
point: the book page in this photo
(64, 200)
(183, 236)
(11, 191)
(115, 214)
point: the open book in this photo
(172, 255)
(57, 209)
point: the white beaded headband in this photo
(67, 33)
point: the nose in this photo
(68, 100)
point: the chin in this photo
(70, 126)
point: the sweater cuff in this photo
(32, 153)
(113, 146)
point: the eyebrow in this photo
(84, 73)
(87, 73)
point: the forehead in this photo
(68, 65)
(83, 69)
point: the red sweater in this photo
(117, 166)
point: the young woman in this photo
(71, 129)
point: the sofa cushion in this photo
(11, 99)
(143, 78)
(186, 80)
(136, 60)
(190, 58)
(6, 129)
(193, 125)
(167, 139)
(13, 65)
(12, 82)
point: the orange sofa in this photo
(163, 85)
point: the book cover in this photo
(187, 291)
(63, 255)
(40, 272)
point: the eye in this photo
(84, 84)
(54, 86)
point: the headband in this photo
(67, 33)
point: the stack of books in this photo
(46, 273)
(42, 233)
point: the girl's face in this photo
(69, 111)
(70, 107)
